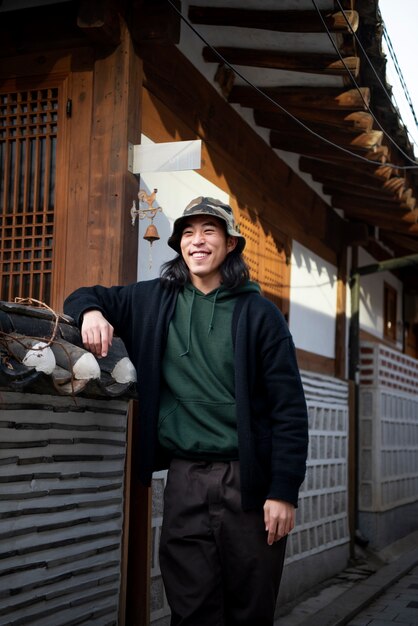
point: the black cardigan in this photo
(271, 409)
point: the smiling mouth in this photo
(199, 255)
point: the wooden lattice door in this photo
(28, 135)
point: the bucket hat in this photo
(206, 206)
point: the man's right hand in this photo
(96, 333)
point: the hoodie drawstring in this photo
(213, 312)
(189, 333)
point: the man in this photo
(221, 403)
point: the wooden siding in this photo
(315, 362)
(267, 257)
(61, 509)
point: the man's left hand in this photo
(279, 519)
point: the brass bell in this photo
(151, 234)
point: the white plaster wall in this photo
(175, 191)
(313, 302)
(371, 298)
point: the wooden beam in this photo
(155, 22)
(140, 537)
(407, 243)
(39, 30)
(341, 177)
(331, 185)
(408, 199)
(365, 197)
(381, 172)
(100, 129)
(341, 317)
(321, 98)
(283, 21)
(355, 233)
(354, 122)
(350, 200)
(386, 224)
(317, 363)
(369, 176)
(322, 150)
(362, 143)
(392, 220)
(311, 63)
(275, 120)
(100, 21)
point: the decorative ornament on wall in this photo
(147, 209)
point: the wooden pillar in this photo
(139, 544)
(353, 444)
(341, 320)
(101, 242)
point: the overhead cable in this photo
(394, 58)
(279, 106)
(353, 80)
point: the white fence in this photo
(322, 516)
(388, 427)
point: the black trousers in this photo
(217, 567)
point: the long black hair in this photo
(234, 271)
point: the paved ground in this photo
(398, 605)
(377, 590)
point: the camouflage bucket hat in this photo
(206, 206)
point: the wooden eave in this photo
(329, 126)
(282, 21)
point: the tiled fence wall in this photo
(388, 427)
(61, 509)
(322, 518)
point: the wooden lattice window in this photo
(266, 258)
(28, 134)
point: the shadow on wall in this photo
(302, 257)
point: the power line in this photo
(395, 61)
(352, 78)
(400, 74)
(394, 58)
(278, 105)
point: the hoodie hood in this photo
(217, 296)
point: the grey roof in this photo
(40, 355)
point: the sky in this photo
(401, 21)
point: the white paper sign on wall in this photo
(173, 156)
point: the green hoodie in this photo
(197, 406)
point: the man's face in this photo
(204, 246)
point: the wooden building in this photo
(299, 134)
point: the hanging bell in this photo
(151, 234)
